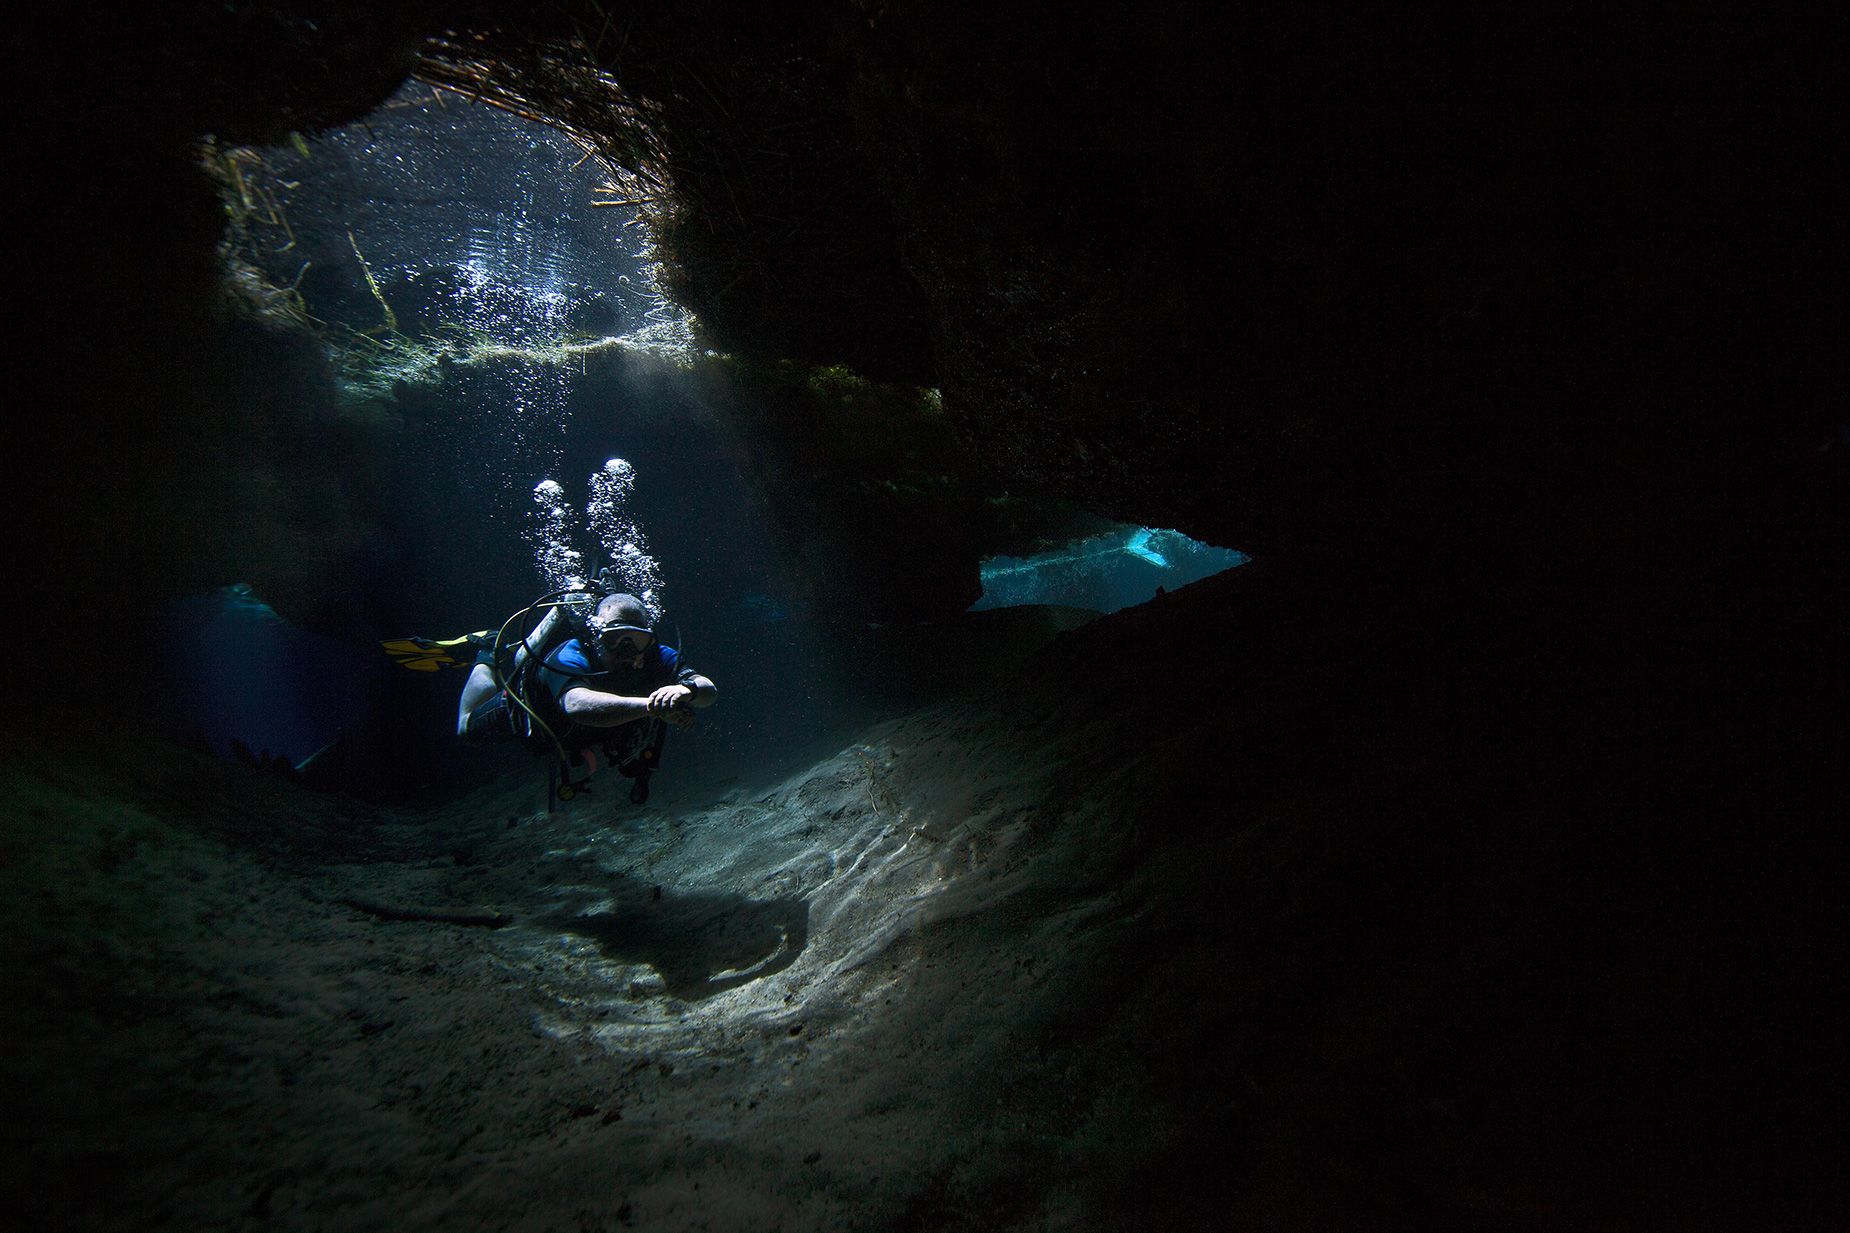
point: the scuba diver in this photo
(591, 677)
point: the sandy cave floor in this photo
(1284, 944)
(811, 1005)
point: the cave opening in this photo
(443, 236)
(235, 677)
(484, 291)
(1104, 572)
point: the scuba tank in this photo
(517, 659)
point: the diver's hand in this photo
(670, 700)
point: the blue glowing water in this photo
(233, 669)
(1105, 573)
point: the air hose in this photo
(551, 600)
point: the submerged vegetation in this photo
(370, 366)
(721, 125)
(465, 316)
(695, 145)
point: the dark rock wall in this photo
(1284, 277)
(879, 512)
(162, 444)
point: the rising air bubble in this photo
(620, 537)
(621, 543)
(559, 563)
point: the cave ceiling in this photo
(1286, 280)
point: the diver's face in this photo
(624, 646)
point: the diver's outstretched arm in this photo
(596, 709)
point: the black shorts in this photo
(493, 718)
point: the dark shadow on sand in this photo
(701, 943)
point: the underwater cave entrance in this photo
(1103, 572)
(461, 267)
(487, 299)
(440, 232)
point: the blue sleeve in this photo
(673, 670)
(564, 668)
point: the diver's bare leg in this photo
(480, 686)
(476, 690)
